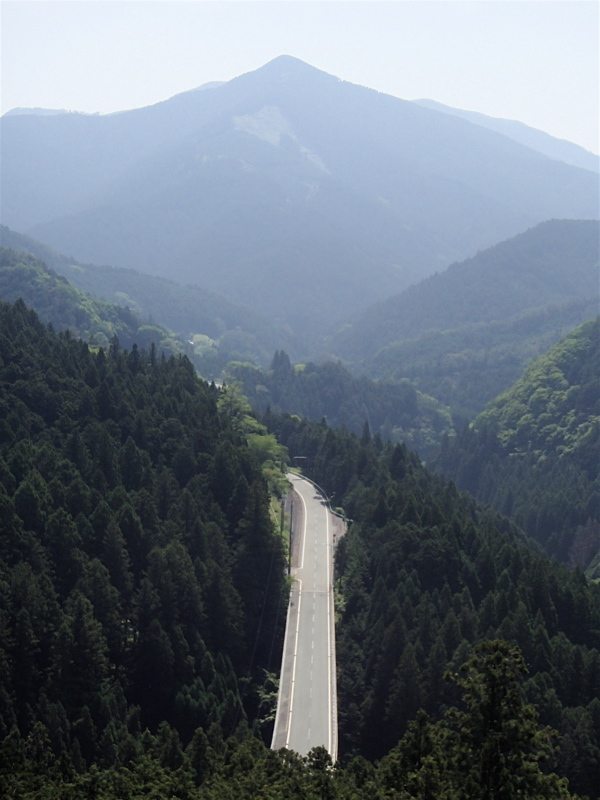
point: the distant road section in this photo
(307, 703)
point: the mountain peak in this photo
(285, 59)
(284, 67)
(288, 62)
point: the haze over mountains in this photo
(555, 262)
(541, 141)
(229, 330)
(287, 189)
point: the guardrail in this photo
(325, 495)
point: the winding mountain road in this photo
(307, 702)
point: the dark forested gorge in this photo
(212, 329)
(466, 334)
(548, 265)
(426, 362)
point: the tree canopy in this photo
(141, 579)
(533, 453)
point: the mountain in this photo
(550, 146)
(218, 330)
(533, 453)
(556, 262)
(288, 189)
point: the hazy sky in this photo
(531, 60)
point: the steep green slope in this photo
(141, 581)
(534, 452)
(554, 263)
(57, 302)
(422, 575)
(395, 411)
(219, 329)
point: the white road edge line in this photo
(279, 693)
(289, 730)
(305, 515)
(329, 604)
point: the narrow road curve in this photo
(307, 703)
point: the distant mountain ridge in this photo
(57, 302)
(468, 367)
(40, 112)
(548, 145)
(284, 188)
(555, 262)
(193, 313)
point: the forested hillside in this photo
(548, 265)
(423, 574)
(465, 335)
(492, 741)
(395, 411)
(142, 598)
(218, 329)
(468, 367)
(534, 453)
(58, 303)
(141, 579)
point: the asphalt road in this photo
(307, 706)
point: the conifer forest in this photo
(143, 590)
